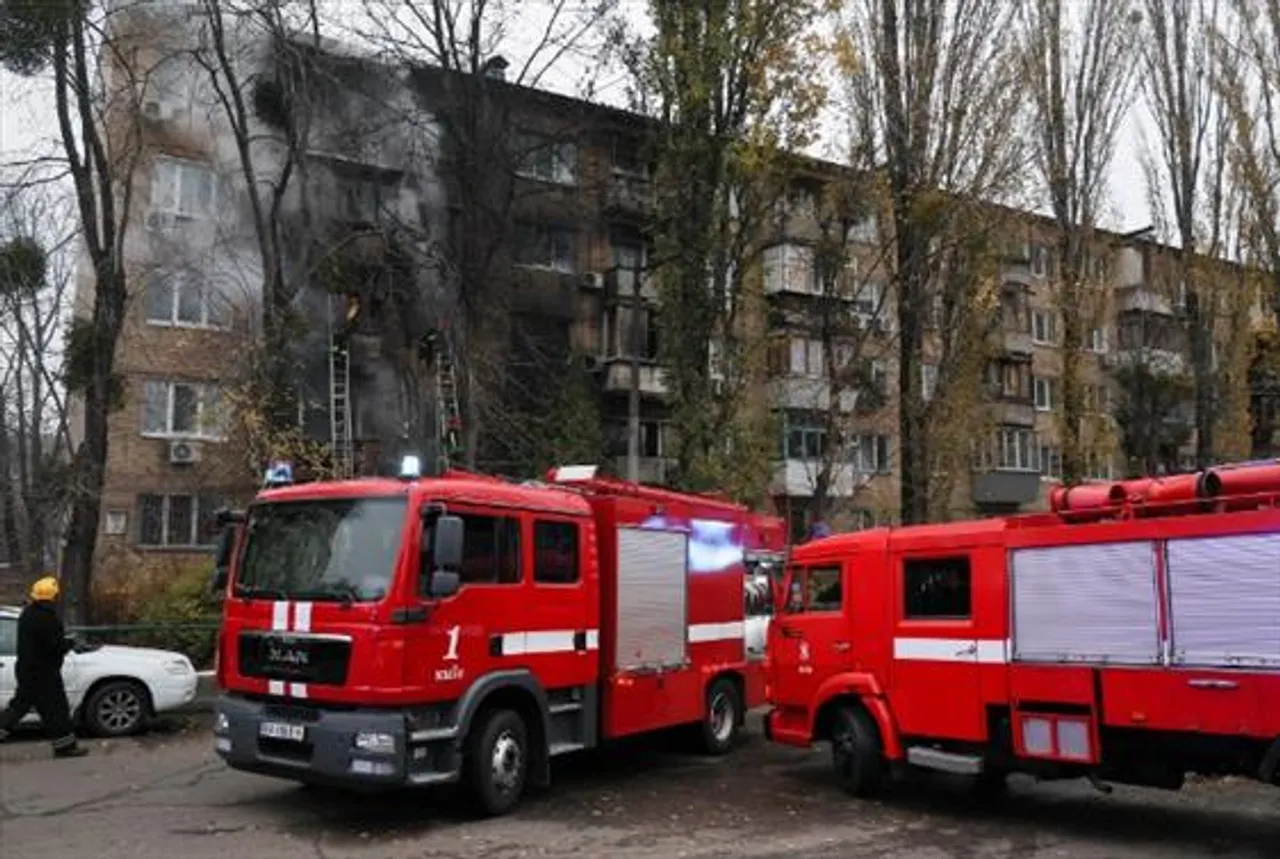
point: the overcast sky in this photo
(27, 125)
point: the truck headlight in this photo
(376, 742)
(221, 724)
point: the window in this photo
(1011, 449)
(928, 381)
(555, 552)
(182, 299)
(823, 589)
(183, 409)
(789, 268)
(1050, 462)
(869, 454)
(1044, 327)
(1011, 378)
(936, 588)
(490, 550)
(1100, 467)
(1098, 340)
(8, 636)
(1039, 260)
(806, 358)
(814, 590)
(1097, 398)
(182, 189)
(1046, 393)
(539, 157)
(880, 377)
(863, 231)
(185, 521)
(360, 199)
(632, 332)
(868, 299)
(543, 246)
(805, 436)
(628, 158)
(169, 86)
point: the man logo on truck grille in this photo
(279, 654)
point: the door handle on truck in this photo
(789, 632)
(842, 646)
(1224, 685)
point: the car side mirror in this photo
(222, 560)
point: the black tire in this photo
(722, 723)
(498, 762)
(857, 754)
(117, 708)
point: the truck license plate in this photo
(283, 731)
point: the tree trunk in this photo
(8, 497)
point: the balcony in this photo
(628, 194)
(805, 394)
(1004, 489)
(1016, 413)
(1158, 361)
(796, 478)
(1143, 298)
(617, 377)
(629, 284)
(1018, 343)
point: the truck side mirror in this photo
(446, 556)
(446, 542)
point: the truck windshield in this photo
(338, 549)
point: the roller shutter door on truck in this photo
(1094, 603)
(653, 612)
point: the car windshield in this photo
(339, 549)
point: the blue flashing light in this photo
(280, 473)
(410, 467)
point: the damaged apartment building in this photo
(447, 235)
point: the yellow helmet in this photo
(45, 589)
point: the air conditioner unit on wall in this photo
(184, 453)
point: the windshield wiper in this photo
(343, 592)
(254, 592)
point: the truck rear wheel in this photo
(856, 752)
(498, 762)
(722, 724)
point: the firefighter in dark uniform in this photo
(42, 645)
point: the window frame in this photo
(177, 282)
(907, 567)
(544, 232)
(802, 576)
(204, 430)
(182, 167)
(576, 529)
(198, 513)
(515, 526)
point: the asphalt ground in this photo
(166, 794)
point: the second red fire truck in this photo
(388, 632)
(1132, 634)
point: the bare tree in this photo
(1180, 78)
(96, 99)
(35, 273)
(935, 91)
(1079, 74)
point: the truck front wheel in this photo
(856, 752)
(498, 762)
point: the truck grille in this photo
(295, 657)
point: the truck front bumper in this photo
(362, 748)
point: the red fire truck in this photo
(1132, 635)
(387, 632)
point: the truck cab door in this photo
(810, 639)
(8, 659)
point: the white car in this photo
(113, 691)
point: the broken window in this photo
(544, 159)
(547, 246)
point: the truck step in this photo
(433, 735)
(565, 707)
(565, 748)
(950, 762)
